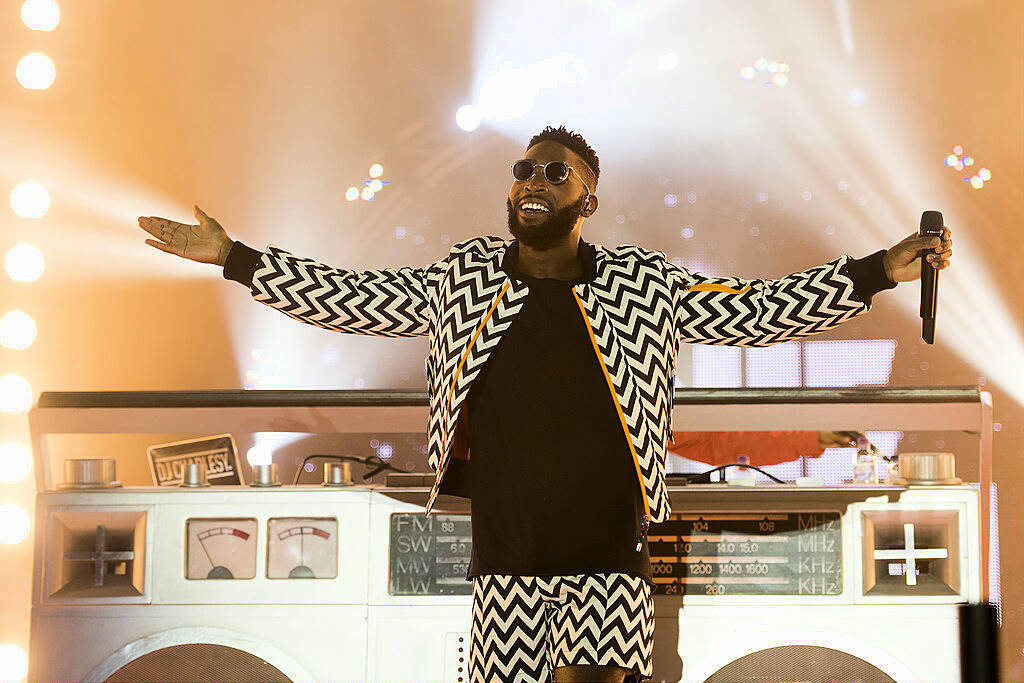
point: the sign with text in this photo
(167, 461)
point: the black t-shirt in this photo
(553, 484)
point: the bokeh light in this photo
(25, 263)
(40, 15)
(13, 663)
(467, 118)
(14, 523)
(376, 171)
(36, 71)
(15, 394)
(17, 330)
(376, 185)
(747, 73)
(352, 194)
(15, 464)
(367, 194)
(30, 199)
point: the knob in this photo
(337, 474)
(265, 475)
(89, 473)
(195, 475)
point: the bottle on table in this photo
(865, 463)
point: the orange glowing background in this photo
(377, 135)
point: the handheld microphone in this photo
(931, 226)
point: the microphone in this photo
(931, 226)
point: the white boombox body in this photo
(333, 584)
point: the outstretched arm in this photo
(738, 312)
(388, 302)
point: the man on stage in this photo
(552, 362)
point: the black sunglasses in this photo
(555, 171)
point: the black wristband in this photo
(241, 263)
(868, 275)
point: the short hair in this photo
(573, 141)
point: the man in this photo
(566, 411)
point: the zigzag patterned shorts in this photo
(526, 626)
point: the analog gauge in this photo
(302, 548)
(220, 549)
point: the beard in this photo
(544, 234)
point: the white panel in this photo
(848, 362)
(774, 366)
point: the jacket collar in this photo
(588, 255)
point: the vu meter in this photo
(220, 548)
(302, 548)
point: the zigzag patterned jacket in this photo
(637, 306)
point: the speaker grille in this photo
(197, 663)
(799, 664)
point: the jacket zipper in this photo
(645, 518)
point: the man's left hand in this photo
(903, 263)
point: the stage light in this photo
(511, 92)
(260, 454)
(14, 523)
(468, 118)
(30, 199)
(857, 97)
(376, 171)
(367, 194)
(40, 15)
(15, 394)
(17, 330)
(352, 194)
(36, 71)
(13, 663)
(24, 263)
(15, 464)
(668, 61)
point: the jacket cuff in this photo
(241, 263)
(868, 275)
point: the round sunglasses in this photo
(554, 171)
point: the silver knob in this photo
(265, 475)
(89, 473)
(195, 475)
(337, 474)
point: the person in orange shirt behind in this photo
(763, 448)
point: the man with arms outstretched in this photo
(552, 361)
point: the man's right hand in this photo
(205, 243)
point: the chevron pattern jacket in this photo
(637, 305)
